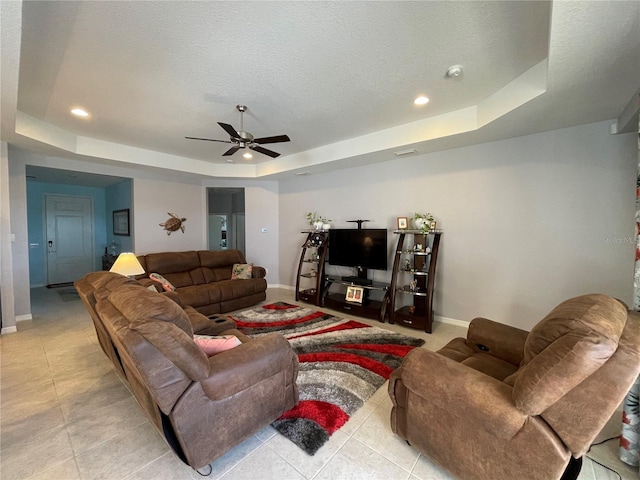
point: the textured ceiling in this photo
(337, 77)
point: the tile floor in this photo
(65, 415)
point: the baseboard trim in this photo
(5, 330)
(284, 287)
(22, 318)
(451, 321)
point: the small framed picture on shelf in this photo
(354, 294)
(403, 223)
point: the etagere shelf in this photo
(414, 273)
(309, 280)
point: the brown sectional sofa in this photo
(202, 405)
(203, 279)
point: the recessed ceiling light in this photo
(229, 160)
(421, 100)
(79, 112)
(247, 155)
(300, 174)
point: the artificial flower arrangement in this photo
(317, 221)
(423, 221)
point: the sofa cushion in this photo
(232, 289)
(140, 305)
(172, 262)
(578, 336)
(224, 258)
(241, 271)
(177, 346)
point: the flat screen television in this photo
(364, 248)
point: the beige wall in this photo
(152, 202)
(528, 221)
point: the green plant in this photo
(422, 221)
(313, 217)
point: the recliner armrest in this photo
(502, 341)
(258, 272)
(247, 364)
(463, 392)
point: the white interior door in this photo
(69, 238)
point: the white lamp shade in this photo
(127, 264)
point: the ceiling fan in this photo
(243, 139)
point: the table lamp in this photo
(127, 264)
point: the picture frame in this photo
(403, 223)
(354, 294)
(121, 222)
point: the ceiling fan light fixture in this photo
(241, 139)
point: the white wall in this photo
(6, 260)
(152, 201)
(153, 197)
(20, 245)
(261, 211)
(528, 221)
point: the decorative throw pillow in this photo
(211, 345)
(156, 277)
(242, 271)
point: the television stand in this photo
(357, 280)
(370, 307)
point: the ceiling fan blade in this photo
(229, 129)
(271, 153)
(275, 139)
(231, 151)
(208, 139)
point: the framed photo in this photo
(121, 222)
(355, 294)
(403, 223)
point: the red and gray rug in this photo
(342, 363)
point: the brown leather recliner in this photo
(506, 404)
(202, 405)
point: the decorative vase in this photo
(317, 225)
(326, 226)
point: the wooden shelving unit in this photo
(414, 273)
(309, 280)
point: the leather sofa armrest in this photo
(258, 272)
(502, 341)
(245, 365)
(466, 394)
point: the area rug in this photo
(342, 364)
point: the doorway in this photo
(69, 237)
(226, 225)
